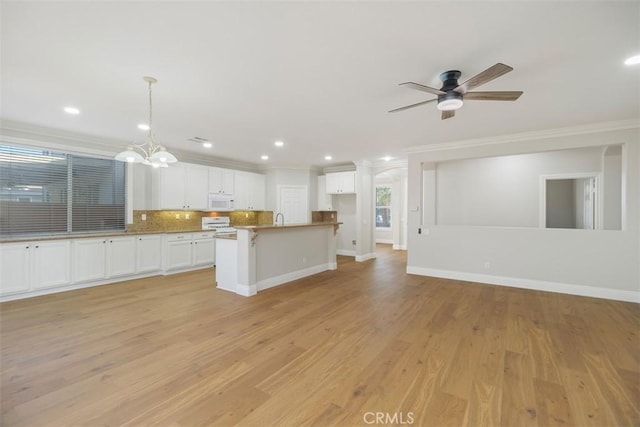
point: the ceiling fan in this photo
(451, 94)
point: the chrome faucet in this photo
(279, 214)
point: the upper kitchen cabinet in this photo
(221, 181)
(181, 186)
(250, 191)
(340, 182)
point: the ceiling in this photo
(320, 76)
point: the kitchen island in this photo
(260, 257)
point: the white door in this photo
(293, 204)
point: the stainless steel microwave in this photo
(220, 202)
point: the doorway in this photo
(570, 202)
(293, 202)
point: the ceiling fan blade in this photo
(447, 114)
(492, 96)
(486, 76)
(423, 88)
(412, 105)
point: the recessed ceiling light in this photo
(386, 158)
(278, 143)
(143, 126)
(71, 110)
(207, 144)
(634, 60)
(264, 157)
(328, 157)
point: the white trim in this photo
(360, 258)
(400, 247)
(542, 218)
(345, 252)
(385, 241)
(538, 285)
(246, 290)
(294, 275)
(528, 136)
(75, 286)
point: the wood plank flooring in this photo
(364, 345)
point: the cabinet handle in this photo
(26, 247)
(37, 246)
(139, 238)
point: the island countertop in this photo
(277, 226)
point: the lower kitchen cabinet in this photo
(99, 259)
(121, 256)
(187, 250)
(34, 265)
(148, 253)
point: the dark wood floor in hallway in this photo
(366, 344)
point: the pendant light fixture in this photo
(150, 153)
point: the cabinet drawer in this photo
(204, 235)
(178, 237)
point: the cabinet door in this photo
(51, 262)
(258, 198)
(332, 183)
(242, 190)
(196, 188)
(89, 259)
(204, 252)
(348, 182)
(121, 256)
(148, 253)
(14, 268)
(228, 181)
(178, 254)
(172, 185)
(221, 181)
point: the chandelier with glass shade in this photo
(149, 153)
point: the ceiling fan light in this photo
(450, 104)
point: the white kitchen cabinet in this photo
(188, 250)
(204, 249)
(35, 265)
(181, 186)
(98, 259)
(179, 252)
(221, 181)
(148, 253)
(249, 191)
(89, 257)
(121, 256)
(14, 267)
(50, 263)
(340, 182)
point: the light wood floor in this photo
(333, 349)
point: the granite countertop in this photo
(33, 238)
(228, 236)
(276, 226)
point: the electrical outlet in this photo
(177, 216)
(186, 216)
(304, 260)
(487, 265)
(143, 217)
(353, 242)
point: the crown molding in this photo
(79, 143)
(529, 136)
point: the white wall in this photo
(503, 190)
(345, 205)
(290, 176)
(599, 263)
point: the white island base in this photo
(265, 256)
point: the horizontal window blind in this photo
(46, 192)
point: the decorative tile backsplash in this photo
(324, 216)
(161, 221)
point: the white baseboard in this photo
(246, 290)
(385, 241)
(75, 286)
(345, 252)
(294, 275)
(360, 258)
(538, 285)
(399, 247)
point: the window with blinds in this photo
(46, 192)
